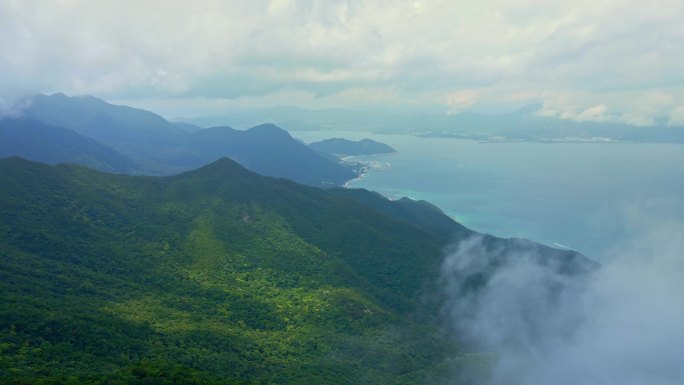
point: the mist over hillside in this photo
(619, 324)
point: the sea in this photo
(590, 197)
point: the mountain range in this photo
(526, 123)
(150, 257)
(37, 141)
(91, 132)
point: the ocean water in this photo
(585, 196)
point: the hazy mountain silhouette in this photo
(40, 142)
(163, 148)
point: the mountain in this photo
(267, 150)
(40, 142)
(163, 148)
(303, 119)
(342, 147)
(141, 135)
(526, 124)
(220, 276)
(187, 127)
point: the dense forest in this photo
(218, 275)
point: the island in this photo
(339, 147)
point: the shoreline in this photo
(347, 183)
(363, 167)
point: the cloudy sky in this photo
(587, 60)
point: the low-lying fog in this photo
(623, 324)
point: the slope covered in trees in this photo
(218, 275)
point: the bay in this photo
(576, 195)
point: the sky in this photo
(612, 60)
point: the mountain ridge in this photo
(50, 144)
(160, 147)
(521, 124)
(216, 275)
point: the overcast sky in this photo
(588, 60)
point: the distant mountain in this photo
(222, 276)
(163, 148)
(40, 142)
(521, 124)
(526, 124)
(295, 118)
(187, 127)
(339, 146)
(267, 150)
(141, 135)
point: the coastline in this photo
(347, 184)
(362, 168)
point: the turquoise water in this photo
(573, 194)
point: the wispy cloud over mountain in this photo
(620, 325)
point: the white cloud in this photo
(422, 50)
(461, 100)
(677, 116)
(596, 113)
(13, 106)
(620, 325)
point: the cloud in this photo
(460, 100)
(13, 106)
(677, 116)
(618, 325)
(414, 51)
(636, 107)
(595, 113)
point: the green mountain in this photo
(160, 147)
(219, 276)
(40, 142)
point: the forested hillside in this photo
(218, 275)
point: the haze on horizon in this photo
(617, 61)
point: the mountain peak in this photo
(221, 168)
(268, 129)
(57, 95)
(266, 126)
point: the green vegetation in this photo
(216, 276)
